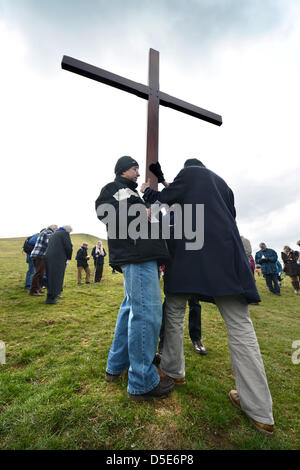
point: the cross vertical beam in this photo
(153, 116)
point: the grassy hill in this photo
(52, 389)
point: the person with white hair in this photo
(58, 252)
(98, 253)
(38, 255)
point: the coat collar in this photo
(130, 184)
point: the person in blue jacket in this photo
(279, 271)
(29, 261)
(267, 258)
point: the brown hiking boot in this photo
(37, 294)
(266, 429)
(178, 382)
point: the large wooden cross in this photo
(151, 93)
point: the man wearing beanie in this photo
(219, 272)
(139, 319)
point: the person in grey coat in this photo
(58, 252)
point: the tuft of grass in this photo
(52, 389)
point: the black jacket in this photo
(221, 266)
(81, 257)
(126, 250)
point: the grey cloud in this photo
(188, 29)
(255, 199)
(258, 203)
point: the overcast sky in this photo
(61, 134)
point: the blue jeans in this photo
(29, 274)
(137, 328)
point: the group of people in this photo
(47, 254)
(219, 272)
(267, 260)
(82, 258)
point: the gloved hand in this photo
(156, 170)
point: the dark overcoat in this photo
(221, 266)
(290, 263)
(58, 252)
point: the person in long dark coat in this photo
(98, 253)
(216, 269)
(58, 252)
(221, 266)
(290, 267)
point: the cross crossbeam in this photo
(151, 93)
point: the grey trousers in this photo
(250, 377)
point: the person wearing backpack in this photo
(27, 248)
(39, 259)
(82, 263)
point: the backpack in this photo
(76, 257)
(28, 247)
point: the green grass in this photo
(52, 389)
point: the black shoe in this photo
(199, 347)
(162, 390)
(157, 359)
(111, 377)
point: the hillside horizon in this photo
(72, 235)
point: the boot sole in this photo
(141, 398)
(261, 431)
(112, 379)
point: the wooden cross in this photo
(151, 93)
